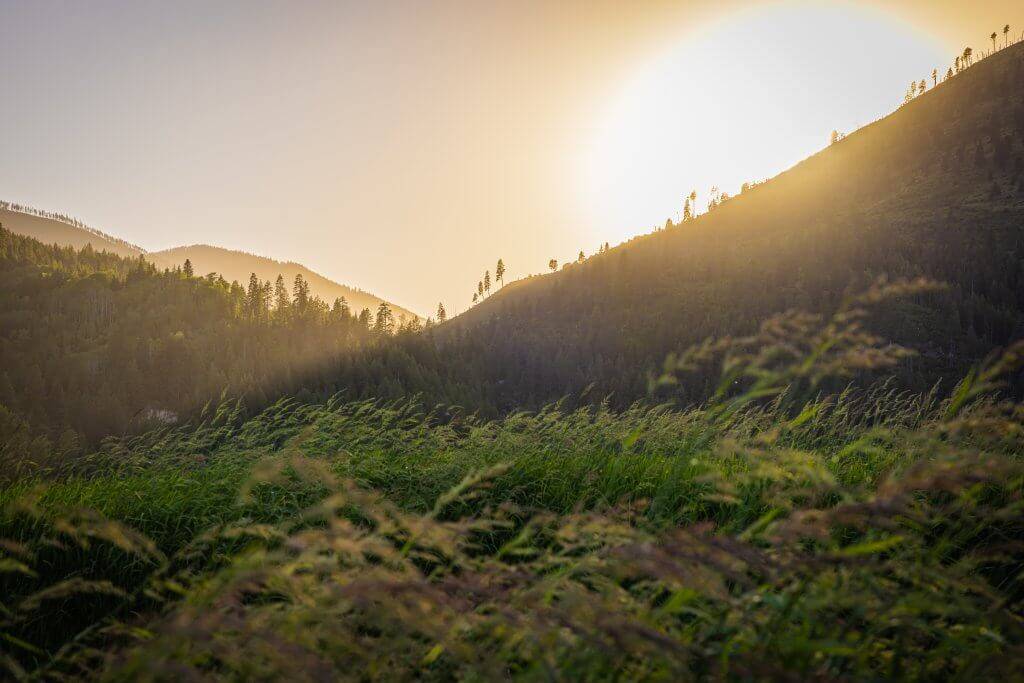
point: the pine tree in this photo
(385, 322)
(254, 298)
(499, 272)
(487, 281)
(300, 295)
(442, 314)
(282, 301)
(187, 268)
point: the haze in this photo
(404, 147)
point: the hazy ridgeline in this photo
(775, 530)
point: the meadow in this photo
(778, 530)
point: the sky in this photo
(403, 147)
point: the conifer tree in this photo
(186, 269)
(487, 281)
(442, 314)
(499, 272)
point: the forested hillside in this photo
(934, 190)
(67, 231)
(53, 228)
(94, 344)
(238, 265)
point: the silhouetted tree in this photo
(475, 297)
(581, 258)
(1006, 35)
(442, 314)
(968, 56)
(499, 273)
(553, 265)
(687, 212)
(480, 289)
(487, 281)
(935, 77)
(993, 37)
(187, 268)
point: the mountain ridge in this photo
(53, 228)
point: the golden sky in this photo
(403, 147)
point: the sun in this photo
(741, 100)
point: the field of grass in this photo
(779, 531)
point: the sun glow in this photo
(742, 100)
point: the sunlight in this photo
(741, 100)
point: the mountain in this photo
(53, 228)
(934, 190)
(238, 265)
(94, 344)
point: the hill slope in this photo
(238, 265)
(935, 190)
(51, 228)
(55, 229)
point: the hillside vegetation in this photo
(232, 265)
(93, 344)
(934, 190)
(238, 265)
(773, 532)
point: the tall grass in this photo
(779, 530)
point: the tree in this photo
(480, 289)
(499, 272)
(553, 265)
(254, 302)
(968, 56)
(300, 295)
(921, 87)
(1006, 35)
(187, 268)
(442, 314)
(949, 73)
(385, 322)
(693, 203)
(581, 258)
(687, 211)
(993, 37)
(282, 302)
(475, 297)
(957, 64)
(935, 77)
(487, 281)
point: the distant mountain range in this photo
(54, 228)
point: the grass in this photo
(777, 531)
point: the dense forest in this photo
(94, 344)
